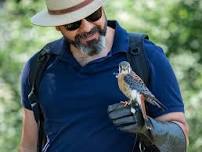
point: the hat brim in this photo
(43, 18)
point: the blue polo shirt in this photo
(74, 99)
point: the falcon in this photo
(133, 87)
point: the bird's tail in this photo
(157, 103)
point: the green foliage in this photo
(17, 42)
(173, 24)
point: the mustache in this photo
(87, 34)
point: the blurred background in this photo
(175, 25)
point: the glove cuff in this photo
(166, 136)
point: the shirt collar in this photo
(121, 38)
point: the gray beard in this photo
(95, 46)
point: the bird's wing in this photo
(155, 102)
(135, 82)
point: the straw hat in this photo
(60, 12)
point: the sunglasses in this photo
(91, 18)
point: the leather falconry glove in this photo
(166, 136)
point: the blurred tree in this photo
(18, 41)
(174, 25)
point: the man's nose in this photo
(86, 26)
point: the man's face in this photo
(89, 36)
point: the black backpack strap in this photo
(37, 67)
(136, 55)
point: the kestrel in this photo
(134, 88)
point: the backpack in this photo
(135, 56)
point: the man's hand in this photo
(126, 120)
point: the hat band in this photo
(70, 9)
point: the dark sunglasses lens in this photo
(95, 16)
(92, 18)
(73, 26)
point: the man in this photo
(79, 94)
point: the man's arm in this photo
(29, 132)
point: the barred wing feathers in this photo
(136, 83)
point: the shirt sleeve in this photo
(25, 86)
(163, 83)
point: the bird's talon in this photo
(125, 103)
